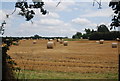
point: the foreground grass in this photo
(28, 74)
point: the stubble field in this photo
(84, 59)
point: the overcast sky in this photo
(65, 20)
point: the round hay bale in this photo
(24, 39)
(50, 39)
(50, 45)
(34, 42)
(58, 40)
(101, 41)
(97, 42)
(114, 45)
(65, 43)
(117, 39)
(7, 39)
(81, 38)
(61, 41)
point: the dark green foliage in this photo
(102, 28)
(25, 11)
(2, 27)
(116, 8)
(85, 36)
(105, 35)
(7, 62)
(88, 31)
(37, 36)
(101, 33)
(78, 35)
(6, 70)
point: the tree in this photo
(37, 36)
(85, 36)
(93, 31)
(102, 28)
(88, 31)
(77, 35)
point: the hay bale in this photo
(65, 43)
(61, 41)
(24, 39)
(50, 45)
(34, 42)
(81, 38)
(50, 39)
(101, 41)
(58, 40)
(97, 42)
(7, 39)
(117, 39)
(114, 45)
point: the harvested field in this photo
(78, 57)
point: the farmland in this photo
(79, 60)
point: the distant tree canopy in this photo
(102, 32)
(77, 35)
(102, 28)
(37, 36)
(88, 31)
(105, 35)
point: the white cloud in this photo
(51, 22)
(99, 13)
(81, 21)
(56, 23)
(51, 15)
(44, 27)
(63, 6)
(2, 15)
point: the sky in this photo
(69, 17)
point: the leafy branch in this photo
(115, 5)
(26, 10)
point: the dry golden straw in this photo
(50, 45)
(101, 41)
(114, 45)
(65, 43)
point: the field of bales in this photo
(79, 60)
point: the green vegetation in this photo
(102, 28)
(102, 32)
(105, 35)
(78, 35)
(28, 74)
(75, 39)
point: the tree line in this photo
(102, 32)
